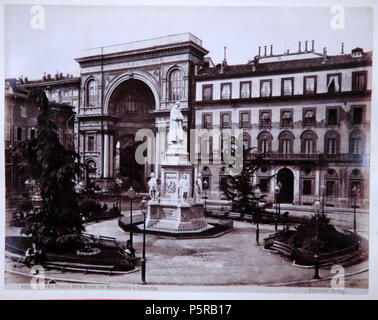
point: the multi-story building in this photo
(21, 124)
(309, 112)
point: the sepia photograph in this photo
(187, 148)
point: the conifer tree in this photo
(56, 225)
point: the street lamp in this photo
(144, 212)
(277, 192)
(205, 187)
(131, 194)
(316, 256)
(354, 195)
(118, 183)
(322, 192)
(257, 195)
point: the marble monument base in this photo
(173, 216)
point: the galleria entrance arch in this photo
(128, 87)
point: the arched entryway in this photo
(285, 178)
(131, 103)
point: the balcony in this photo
(342, 157)
(90, 111)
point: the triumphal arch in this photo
(125, 88)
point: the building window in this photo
(264, 184)
(356, 143)
(207, 92)
(355, 189)
(332, 116)
(266, 88)
(226, 120)
(225, 91)
(92, 97)
(33, 133)
(287, 86)
(246, 140)
(91, 144)
(207, 120)
(333, 82)
(307, 187)
(359, 81)
(330, 188)
(7, 131)
(308, 142)
(264, 142)
(309, 117)
(309, 84)
(357, 114)
(244, 119)
(245, 90)
(23, 112)
(175, 85)
(19, 134)
(286, 118)
(286, 139)
(331, 142)
(265, 118)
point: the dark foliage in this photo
(329, 240)
(55, 169)
(240, 188)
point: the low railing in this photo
(100, 240)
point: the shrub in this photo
(90, 208)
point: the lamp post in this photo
(322, 192)
(131, 194)
(205, 187)
(354, 195)
(118, 183)
(144, 212)
(316, 256)
(277, 193)
(257, 195)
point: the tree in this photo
(55, 169)
(240, 188)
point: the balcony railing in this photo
(315, 157)
(90, 111)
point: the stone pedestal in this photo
(171, 212)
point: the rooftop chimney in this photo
(259, 51)
(299, 46)
(312, 45)
(342, 47)
(324, 54)
(264, 51)
(306, 49)
(271, 49)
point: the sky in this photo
(70, 29)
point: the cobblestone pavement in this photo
(231, 259)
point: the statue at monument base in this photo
(174, 209)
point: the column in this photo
(111, 158)
(106, 156)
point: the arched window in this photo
(92, 96)
(332, 142)
(356, 142)
(286, 139)
(264, 142)
(246, 140)
(175, 86)
(308, 142)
